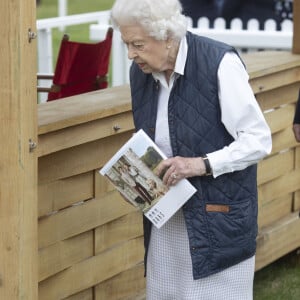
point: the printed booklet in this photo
(132, 172)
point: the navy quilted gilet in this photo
(217, 239)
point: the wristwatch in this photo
(207, 165)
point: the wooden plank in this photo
(64, 254)
(277, 240)
(271, 211)
(126, 285)
(280, 118)
(296, 24)
(120, 230)
(83, 108)
(283, 140)
(79, 159)
(80, 218)
(284, 163)
(279, 187)
(297, 156)
(102, 185)
(296, 203)
(18, 176)
(85, 295)
(276, 97)
(140, 296)
(93, 271)
(264, 63)
(62, 193)
(83, 133)
(275, 80)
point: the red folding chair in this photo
(81, 67)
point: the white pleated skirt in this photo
(169, 270)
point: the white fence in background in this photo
(62, 8)
(249, 39)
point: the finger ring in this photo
(174, 176)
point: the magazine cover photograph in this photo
(134, 177)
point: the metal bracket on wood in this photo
(32, 145)
(116, 127)
(31, 35)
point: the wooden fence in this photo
(90, 240)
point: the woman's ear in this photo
(169, 42)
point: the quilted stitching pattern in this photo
(194, 117)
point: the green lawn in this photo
(278, 281)
(48, 8)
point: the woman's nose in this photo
(131, 52)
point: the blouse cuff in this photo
(219, 162)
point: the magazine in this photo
(132, 172)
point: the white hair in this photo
(161, 19)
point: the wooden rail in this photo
(90, 240)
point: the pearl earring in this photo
(169, 46)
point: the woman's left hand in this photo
(177, 168)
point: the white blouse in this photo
(241, 115)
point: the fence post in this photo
(45, 58)
(45, 51)
(296, 32)
(62, 11)
(120, 64)
(18, 166)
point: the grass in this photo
(278, 281)
(48, 8)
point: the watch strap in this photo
(207, 165)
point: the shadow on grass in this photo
(280, 280)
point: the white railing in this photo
(249, 39)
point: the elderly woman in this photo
(191, 95)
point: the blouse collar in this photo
(180, 60)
